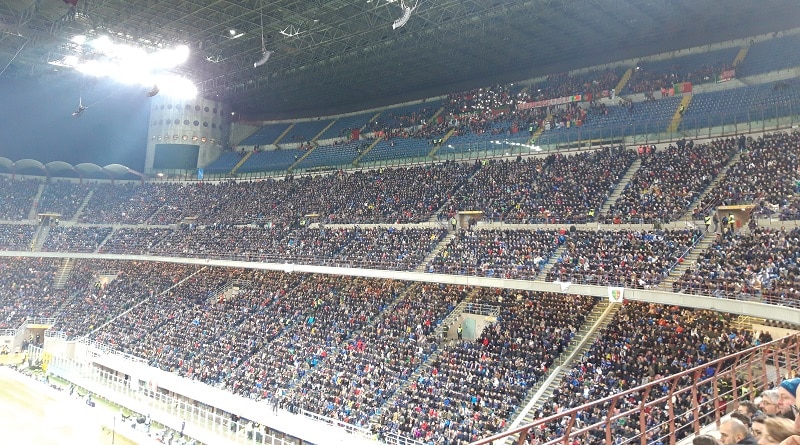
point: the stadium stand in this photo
(334, 155)
(368, 369)
(364, 351)
(549, 189)
(621, 258)
(63, 198)
(643, 343)
(265, 135)
(613, 122)
(698, 68)
(770, 55)
(344, 125)
(305, 131)
(225, 162)
(663, 188)
(742, 105)
(271, 160)
(760, 265)
(16, 237)
(563, 85)
(75, 239)
(472, 388)
(764, 176)
(17, 197)
(518, 254)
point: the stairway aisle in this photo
(62, 275)
(83, 205)
(612, 198)
(600, 317)
(690, 259)
(723, 174)
(36, 200)
(423, 266)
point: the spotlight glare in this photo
(71, 61)
(79, 39)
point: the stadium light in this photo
(133, 65)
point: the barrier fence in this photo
(680, 404)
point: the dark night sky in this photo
(38, 121)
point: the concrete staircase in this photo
(36, 199)
(285, 132)
(623, 81)
(433, 118)
(600, 317)
(740, 55)
(678, 116)
(423, 266)
(302, 158)
(552, 261)
(321, 132)
(367, 150)
(83, 205)
(723, 173)
(241, 162)
(438, 147)
(539, 130)
(40, 237)
(108, 237)
(612, 198)
(62, 275)
(690, 259)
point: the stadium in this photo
(391, 222)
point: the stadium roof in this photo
(344, 55)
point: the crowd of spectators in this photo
(204, 327)
(75, 239)
(761, 265)
(635, 259)
(63, 198)
(473, 387)
(554, 189)
(17, 197)
(345, 347)
(325, 311)
(644, 342)
(644, 80)
(94, 303)
(515, 254)
(16, 236)
(26, 289)
(384, 248)
(595, 82)
(133, 241)
(766, 175)
(670, 180)
(368, 368)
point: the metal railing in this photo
(482, 309)
(687, 401)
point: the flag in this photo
(616, 294)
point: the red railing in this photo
(668, 409)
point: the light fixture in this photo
(234, 33)
(407, 10)
(264, 53)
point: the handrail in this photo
(750, 364)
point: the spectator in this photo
(734, 432)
